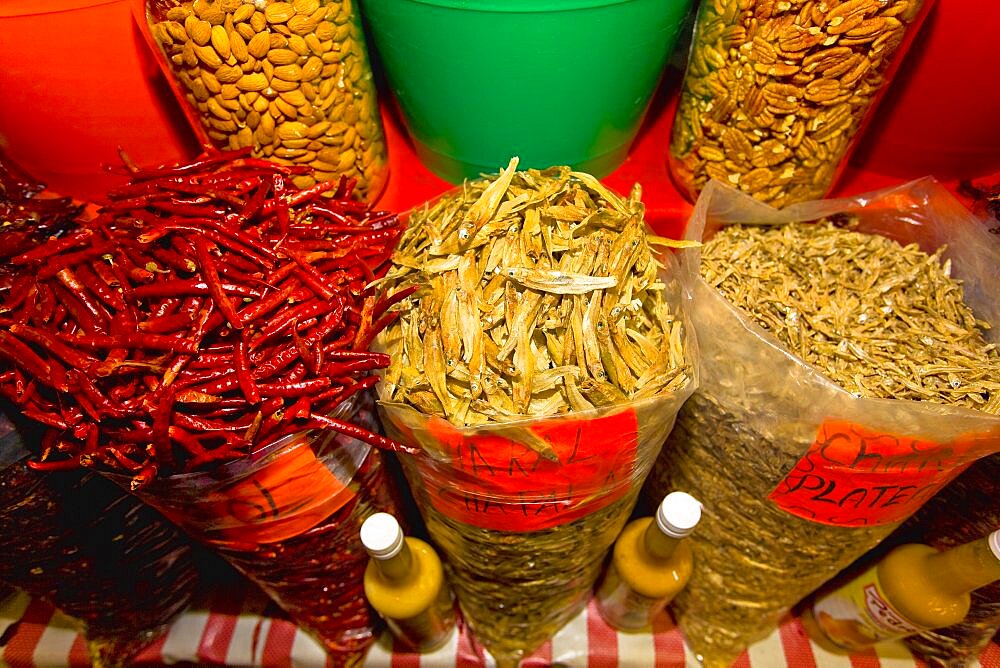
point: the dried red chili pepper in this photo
(243, 375)
(72, 240)
(207, 309)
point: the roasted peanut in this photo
(290, 80)
(776, 90)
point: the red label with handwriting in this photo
(287, 497)
(555, 472)
(853, 476)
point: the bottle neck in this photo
(962, 569)
(657, 543)
(396, 567)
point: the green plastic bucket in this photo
(552, 81)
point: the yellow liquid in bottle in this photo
(647, 570)
(914, 588)
(409, 591)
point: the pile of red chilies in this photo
(210, 308)
(27, 219)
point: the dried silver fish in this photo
(538, 294)
(879, 319)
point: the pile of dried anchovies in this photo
(532, 294)
(879, 319)
(538, 294)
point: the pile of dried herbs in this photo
(879, 319)
(526, 295)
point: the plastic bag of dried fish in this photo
(538, 361)
(851, 382)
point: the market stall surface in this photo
(241, 631)
(244, 629)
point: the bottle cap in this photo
(382, 536)
(995, 543)
(678, 515)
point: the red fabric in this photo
(742, 661)
(216, 640)
(20, 648)
(467, 656)
(603, 640)
(866, 659)
(540, 658)
(990, 658)
(668, 642)
(795, 642)
(218, 634)
(150, 653)
(79, 656)
(405, 660)
(278, 646)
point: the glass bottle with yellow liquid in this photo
(914, 588)
(404, 582)
(650, 563)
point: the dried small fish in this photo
(558, 282)
(540, 296)
(854, 304)
(879, 319)
(569, 270)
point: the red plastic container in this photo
(76, 82)
(939, 117)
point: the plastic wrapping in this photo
(776, 93)
(290, 79)
(524, 537)
(81, 544)
(288, 516)
(523, 481)
(798, 477)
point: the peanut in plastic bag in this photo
(799, 477)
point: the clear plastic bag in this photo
(523, 536)
(290, 80)
(526, 496)
(798, 477)
(76, 541)
(776, 94)
(288, 517)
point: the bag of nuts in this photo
(289, 79)
(777, 91)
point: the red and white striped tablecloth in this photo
(237, 630)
